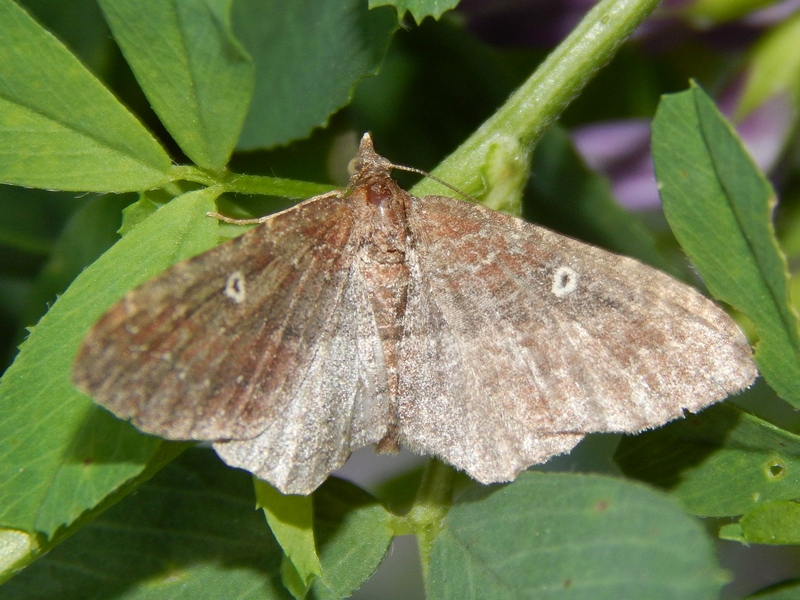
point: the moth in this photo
(368, 316)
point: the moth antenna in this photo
(436, 179)
(233, 221)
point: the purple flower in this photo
(620, 149)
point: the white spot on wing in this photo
(234, 287)
(565, 281)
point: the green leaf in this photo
(721, 462)
(774, 66)
(194, 72)
(571, 536)
(292, 580)
(353, 532)
(15, 548)
(59, 453)
(192, 532)
(706, 11)
(290, 518)
(135, 213)
(731, 532)
(32, 220)
(522, 120)
(67, 131)
(302, 79)
(419, 9)
(786, 590)
(772, 523)
(91, 231)
(719, 207)
(79, 24)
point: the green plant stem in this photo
(273, 186)
(500, 149)
(434, 498)
(251, 184)
(520, 122)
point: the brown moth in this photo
(369, 316)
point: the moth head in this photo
(367, 165)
